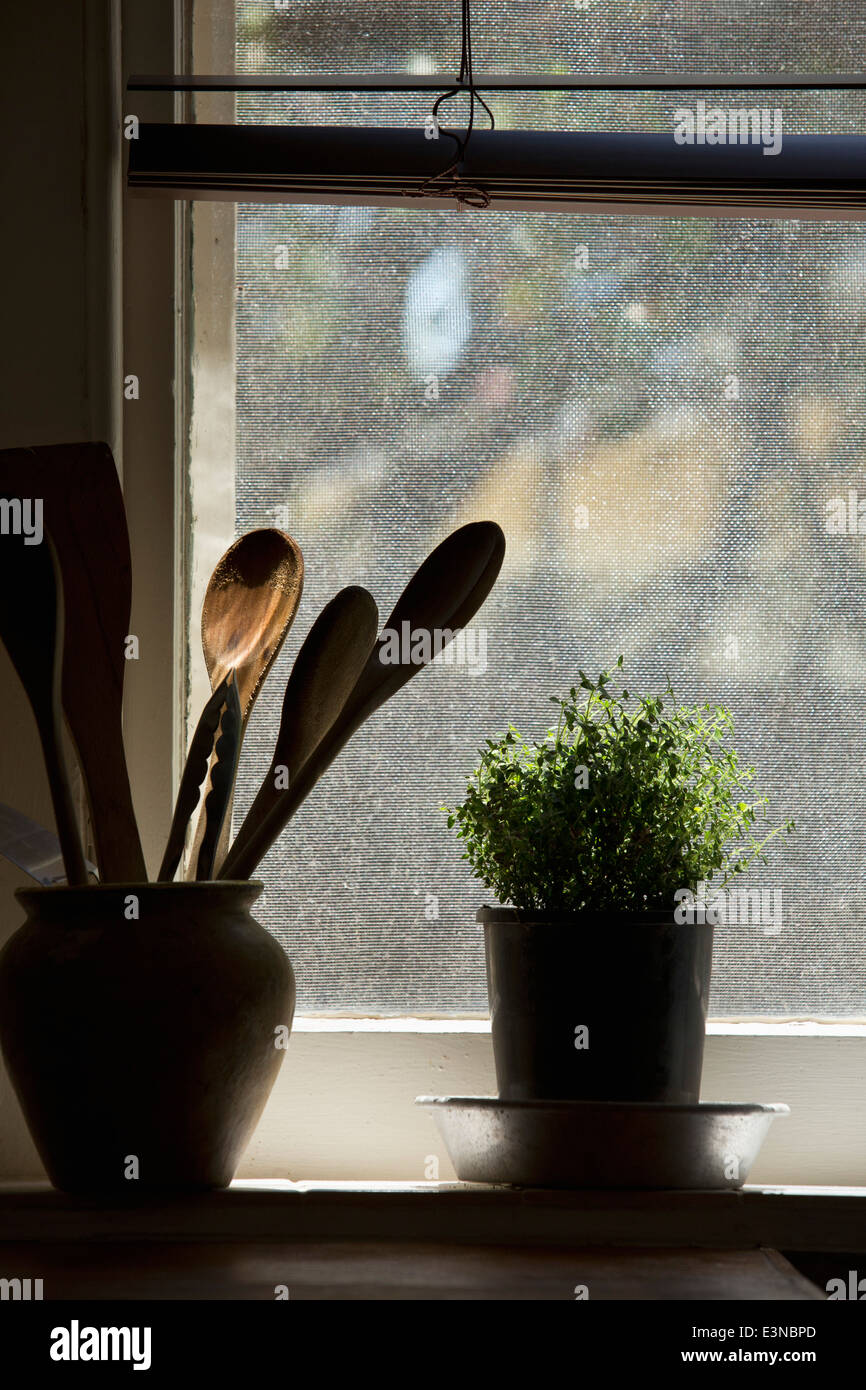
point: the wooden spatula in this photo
(31, 628)
(83, 512)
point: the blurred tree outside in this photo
(658, 412)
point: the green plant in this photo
(626, 801)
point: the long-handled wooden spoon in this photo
(325, 671)
(250, 604)
(194, 773)
(31, 627)
(442, 596)
(83, 511)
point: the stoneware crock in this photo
(141, 1026)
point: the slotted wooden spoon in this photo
(250, 604)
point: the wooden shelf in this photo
(789, 1218)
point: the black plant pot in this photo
(588, 1007)
(143, 1051)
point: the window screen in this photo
(668, 419)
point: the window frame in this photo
(351, 1081)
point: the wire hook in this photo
(454, 187)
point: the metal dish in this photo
(601, 1144)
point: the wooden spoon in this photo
(31, 627)
(194, 773)
(250, 603)
(85, 517)
(325, 671)
(444, 594)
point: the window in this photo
(667, 416)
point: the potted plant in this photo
(591, 840)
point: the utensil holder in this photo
(142, 1025)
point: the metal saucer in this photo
(601, 1144)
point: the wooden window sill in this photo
(787, 1218)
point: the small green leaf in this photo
(664, 806)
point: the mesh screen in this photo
(665, 416)
(569, 36)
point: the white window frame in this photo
(342, 1107)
